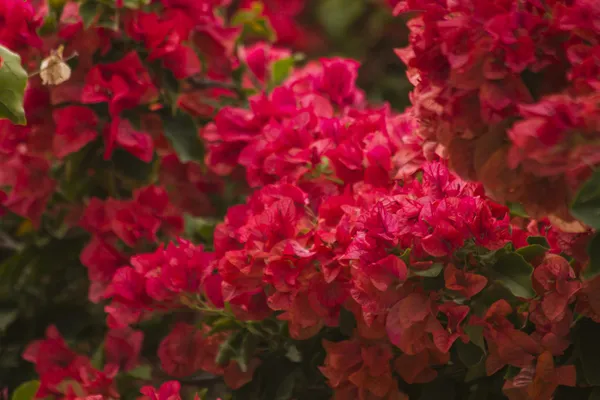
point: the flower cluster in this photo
(66, 374)
(481, 71)
(361, 254)
(117, 225)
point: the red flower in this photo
(260, 57)
(411, 322)
(20, 23)
(123, 84)
(167, 391)
(122, 133)
(466, 283)
(360, 371)
(132, 223)
(76, 126)
(554, 279)
(164, 37)
(541, 381)
(122, 348)
(506, 344)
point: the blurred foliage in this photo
(366, 31)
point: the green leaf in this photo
(514, 273)
(586, 205)
(593, 268)
(223, 324)
(476, 371)
(202, 393)
(517, 210)
(246, 351)
(88, 11)
(511, 372)
(7, 317)
(26, 391)
(532, 251)
(469, 353)
(589, 350)
(130, 167)
(142, 372)
(347, 322)
(441, 388)
(182, 133)
(475, 334)
(253, 23)
(539, 240)
(98, 357)
(285, 390)
(13, 80)
(432, 272)
(229, 348)
(280, 70)
(135, 4)
(337, 15)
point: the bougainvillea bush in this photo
(193, 209)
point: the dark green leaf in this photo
(511, 372)
(492, 257)
(539, 240)
(7, 317)
(432, 272)
(88, 11)
(246, 351)
(285, 390)
(131, 167)
(13, 80)
(586, 205)
(475, 334)
(280, 70)
(223, 324)
(469, 353)
(26, 391)
(514, 273)
(480, 390)
(532, 251)
(142, 372)
(476, 371)
(593, 268)
(589, 350)
(488, 296)
(441, 388)
(347, 322)
(182, 133)
(229, 348)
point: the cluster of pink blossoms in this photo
(350, 214)
(509, 88)
(354, 209)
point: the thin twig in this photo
(198, 83)
(8, 243)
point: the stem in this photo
(8, 243)
(198, 83)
